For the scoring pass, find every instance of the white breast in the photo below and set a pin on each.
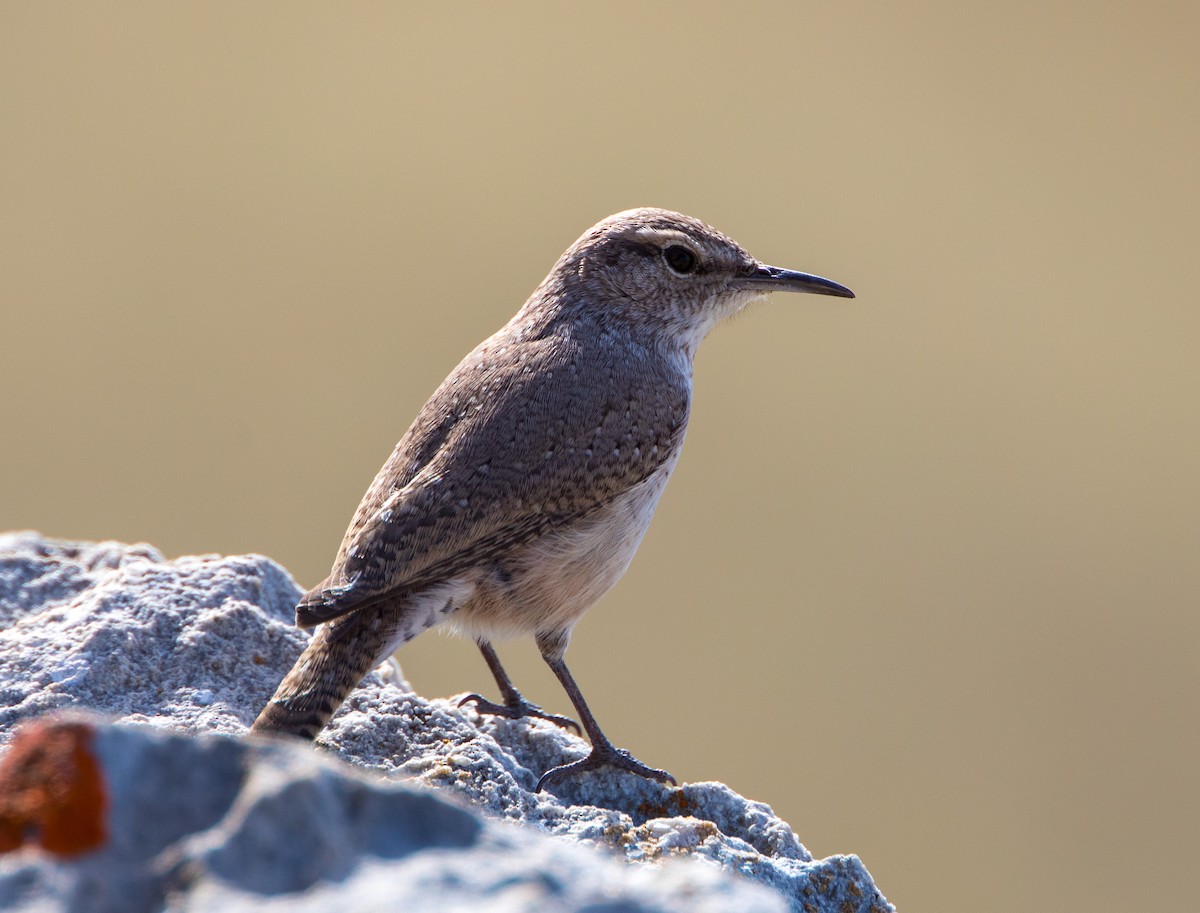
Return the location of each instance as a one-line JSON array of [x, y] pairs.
[[552, 581]]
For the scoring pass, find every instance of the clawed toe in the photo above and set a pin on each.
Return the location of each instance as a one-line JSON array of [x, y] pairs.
[[602, 756], [483, 705], [518, 710]]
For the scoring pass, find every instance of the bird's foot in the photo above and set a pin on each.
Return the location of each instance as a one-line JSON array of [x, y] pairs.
[[517, 709], [604, 755]]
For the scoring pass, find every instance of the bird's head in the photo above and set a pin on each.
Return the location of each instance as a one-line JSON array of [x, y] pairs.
[[667, 271]]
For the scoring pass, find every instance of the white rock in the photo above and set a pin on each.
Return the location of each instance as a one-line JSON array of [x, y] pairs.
[[198, 644]]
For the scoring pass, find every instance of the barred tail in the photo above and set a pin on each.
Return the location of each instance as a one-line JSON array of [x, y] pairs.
[[340, 654]]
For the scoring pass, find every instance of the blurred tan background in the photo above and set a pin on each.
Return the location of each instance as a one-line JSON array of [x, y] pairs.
[[926, 578]]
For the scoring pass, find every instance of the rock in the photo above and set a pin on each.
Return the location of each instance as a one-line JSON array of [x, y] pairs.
[[402, 805]]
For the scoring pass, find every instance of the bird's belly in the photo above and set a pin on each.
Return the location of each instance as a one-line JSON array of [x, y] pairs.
[[549, 583]]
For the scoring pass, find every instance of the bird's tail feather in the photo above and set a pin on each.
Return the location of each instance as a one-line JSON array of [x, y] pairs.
[[340, 654]]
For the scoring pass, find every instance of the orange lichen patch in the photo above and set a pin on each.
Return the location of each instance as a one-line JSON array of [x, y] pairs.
[[676, 805], [51, 790]]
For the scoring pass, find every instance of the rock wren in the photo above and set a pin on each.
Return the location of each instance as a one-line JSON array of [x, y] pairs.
[[522, 490]]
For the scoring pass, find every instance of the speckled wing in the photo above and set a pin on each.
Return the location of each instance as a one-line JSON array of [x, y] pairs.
[[524, 436]]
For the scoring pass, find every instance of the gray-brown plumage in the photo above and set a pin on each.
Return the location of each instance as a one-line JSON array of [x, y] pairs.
[[521, 491]]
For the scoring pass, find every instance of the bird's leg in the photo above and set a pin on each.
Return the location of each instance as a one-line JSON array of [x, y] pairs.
[[515, 703], [604, 753]]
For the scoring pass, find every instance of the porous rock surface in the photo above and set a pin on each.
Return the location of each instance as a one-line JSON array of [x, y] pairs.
[[404, 804]]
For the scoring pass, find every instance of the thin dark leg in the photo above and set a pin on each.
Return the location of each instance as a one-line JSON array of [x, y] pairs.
[[515, 704], [604, 753]]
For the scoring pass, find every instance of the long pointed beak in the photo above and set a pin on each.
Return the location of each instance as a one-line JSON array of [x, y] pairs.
[[774, 279]]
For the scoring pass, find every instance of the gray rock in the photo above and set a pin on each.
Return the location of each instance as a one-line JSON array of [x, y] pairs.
[[179, 650]]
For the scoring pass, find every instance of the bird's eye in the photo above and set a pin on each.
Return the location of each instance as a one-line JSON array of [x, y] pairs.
[[679, 258]]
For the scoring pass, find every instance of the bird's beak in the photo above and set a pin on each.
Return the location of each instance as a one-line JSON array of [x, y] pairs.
[[773, 279]]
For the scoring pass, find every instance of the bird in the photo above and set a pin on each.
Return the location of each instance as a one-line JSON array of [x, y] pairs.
[[522, 489]]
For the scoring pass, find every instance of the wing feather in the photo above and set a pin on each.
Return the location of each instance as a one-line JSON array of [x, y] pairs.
[[525, 435]]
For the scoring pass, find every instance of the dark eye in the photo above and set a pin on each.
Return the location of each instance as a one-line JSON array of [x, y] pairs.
[[679, 258]]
